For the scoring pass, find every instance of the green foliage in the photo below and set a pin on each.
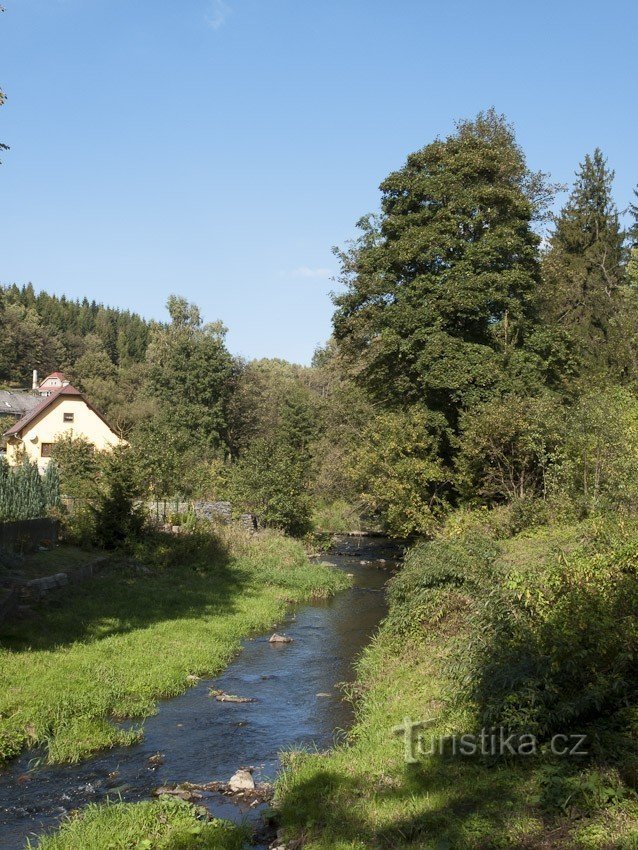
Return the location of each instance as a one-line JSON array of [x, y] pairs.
[[556, 654], [78, 466], [600, 472], [583, 268], [270, 480], [164, 824], [510, 447], [191, 374], [441, 289], [438, 580], [46, 332], [400, 472], [116, 515], [51, 486], [24, 494]]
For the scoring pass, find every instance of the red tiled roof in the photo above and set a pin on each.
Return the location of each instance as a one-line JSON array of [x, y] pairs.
[[19, 426], [54, 375]]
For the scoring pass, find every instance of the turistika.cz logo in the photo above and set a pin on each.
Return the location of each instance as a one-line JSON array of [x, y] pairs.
[[496, 741]]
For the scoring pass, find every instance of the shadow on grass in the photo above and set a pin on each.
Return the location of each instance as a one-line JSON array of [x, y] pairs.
[[440, 805], [178, 578]]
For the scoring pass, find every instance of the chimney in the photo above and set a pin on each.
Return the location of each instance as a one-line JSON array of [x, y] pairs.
[[35, 384]]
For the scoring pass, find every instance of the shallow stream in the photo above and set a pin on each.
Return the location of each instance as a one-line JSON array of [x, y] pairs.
[[298, 703]]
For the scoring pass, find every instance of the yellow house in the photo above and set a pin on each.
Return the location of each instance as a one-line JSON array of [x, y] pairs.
[[64, 412]]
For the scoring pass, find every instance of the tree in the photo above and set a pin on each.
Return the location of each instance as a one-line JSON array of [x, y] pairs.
[[78, 466], [399, 469], [601, 448], [633, 230], [116, 515], [191, 375], [509, 447], [441, 287], [270, 398], [583, 269], [270, 480], [51, 486]]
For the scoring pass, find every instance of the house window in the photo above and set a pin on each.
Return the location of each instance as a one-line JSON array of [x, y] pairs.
[[46, 449], [68, 417]]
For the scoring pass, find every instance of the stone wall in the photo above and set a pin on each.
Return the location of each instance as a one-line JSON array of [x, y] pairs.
[[24, 592]]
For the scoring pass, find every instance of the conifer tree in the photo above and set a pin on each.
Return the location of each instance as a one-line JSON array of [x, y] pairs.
[[51, 486], [583, 269], [633, 229]]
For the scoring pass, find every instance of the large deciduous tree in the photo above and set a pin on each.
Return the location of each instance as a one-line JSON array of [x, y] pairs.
[[441, 287], [191, 374]]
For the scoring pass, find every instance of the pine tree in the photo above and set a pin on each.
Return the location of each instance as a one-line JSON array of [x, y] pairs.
[[583, 269]]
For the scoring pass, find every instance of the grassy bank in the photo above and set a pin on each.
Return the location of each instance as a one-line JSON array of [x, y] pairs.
[[423, 666], [112, 647], [165, 824]]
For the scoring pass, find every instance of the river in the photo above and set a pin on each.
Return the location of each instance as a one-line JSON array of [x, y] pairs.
[[298, 703]]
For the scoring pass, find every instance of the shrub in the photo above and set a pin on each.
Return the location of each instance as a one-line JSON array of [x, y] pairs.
[[117, 517], [438, 579], [509, 448], [400, 472], [22, 492], [554, 652], [270, 480]]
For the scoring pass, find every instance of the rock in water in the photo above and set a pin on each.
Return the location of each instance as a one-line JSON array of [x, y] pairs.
[[241, 781], [280, 639]]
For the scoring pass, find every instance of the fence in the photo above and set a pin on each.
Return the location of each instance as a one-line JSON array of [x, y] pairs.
[[28, 533]]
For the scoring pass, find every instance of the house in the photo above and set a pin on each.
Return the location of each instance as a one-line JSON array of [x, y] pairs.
[[50, 384], [64, 410]]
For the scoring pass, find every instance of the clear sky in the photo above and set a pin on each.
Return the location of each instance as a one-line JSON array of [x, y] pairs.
[[220, 148]]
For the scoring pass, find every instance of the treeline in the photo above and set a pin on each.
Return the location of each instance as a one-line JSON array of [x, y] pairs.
[[47, 333], [503, 367], [472, 361]]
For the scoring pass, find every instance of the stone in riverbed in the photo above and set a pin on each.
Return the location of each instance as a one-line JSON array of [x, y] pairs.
[[242, 780], [220, 696], [280, 639]]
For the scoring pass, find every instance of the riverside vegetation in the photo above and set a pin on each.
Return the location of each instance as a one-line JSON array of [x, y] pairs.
[[112, 648], [480, 395]]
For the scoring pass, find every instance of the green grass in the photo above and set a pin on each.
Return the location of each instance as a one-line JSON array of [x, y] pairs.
[[113, 646], [59, 559], [364, 795], [164, 824]]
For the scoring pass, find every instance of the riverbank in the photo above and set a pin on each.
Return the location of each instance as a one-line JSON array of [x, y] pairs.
[[141, 632], [364, 795]]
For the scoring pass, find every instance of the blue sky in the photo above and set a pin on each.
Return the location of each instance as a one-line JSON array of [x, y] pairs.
[[220, 149]]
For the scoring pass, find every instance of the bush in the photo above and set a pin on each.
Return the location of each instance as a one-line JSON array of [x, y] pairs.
[[24, 493], [270, 480], [554, 652], [400, 472], [117, 518], [438, 580], [509, 448]]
